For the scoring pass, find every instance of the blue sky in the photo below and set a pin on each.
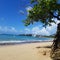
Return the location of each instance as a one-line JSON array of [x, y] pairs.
[[12, 12]]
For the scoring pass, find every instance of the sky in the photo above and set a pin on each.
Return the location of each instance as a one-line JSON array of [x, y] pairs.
[[13, 12]]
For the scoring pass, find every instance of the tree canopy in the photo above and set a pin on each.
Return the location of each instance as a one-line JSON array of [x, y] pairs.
[[43, 11]]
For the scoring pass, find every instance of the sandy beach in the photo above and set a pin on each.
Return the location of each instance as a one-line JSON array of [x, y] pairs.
[[32, 51]]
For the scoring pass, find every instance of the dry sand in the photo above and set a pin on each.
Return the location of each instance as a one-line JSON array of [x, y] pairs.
[[30, 51]]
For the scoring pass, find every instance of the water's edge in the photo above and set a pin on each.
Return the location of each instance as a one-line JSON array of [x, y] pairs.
[[21, 42]]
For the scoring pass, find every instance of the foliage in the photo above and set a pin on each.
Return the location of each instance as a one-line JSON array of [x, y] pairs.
[[43, 11]]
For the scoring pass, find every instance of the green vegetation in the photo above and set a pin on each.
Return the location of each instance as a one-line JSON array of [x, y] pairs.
[[51, 36], [43, 11]]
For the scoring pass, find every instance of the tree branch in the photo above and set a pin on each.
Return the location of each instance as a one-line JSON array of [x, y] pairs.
[[54, 15]]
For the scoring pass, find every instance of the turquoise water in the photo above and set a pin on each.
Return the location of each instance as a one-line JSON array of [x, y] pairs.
[[19, 39]]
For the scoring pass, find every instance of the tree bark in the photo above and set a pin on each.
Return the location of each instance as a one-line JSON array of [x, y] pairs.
[[55, 51]]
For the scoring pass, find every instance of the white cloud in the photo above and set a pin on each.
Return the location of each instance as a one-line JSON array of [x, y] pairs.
[[43, 31], [28, 8], [27, 30], [49, 30], [12, 29], [21, 11], [52, 29], [34, 30], [37, 30], [6, 29]]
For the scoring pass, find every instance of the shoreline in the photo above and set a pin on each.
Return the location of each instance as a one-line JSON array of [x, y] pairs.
[[2, 43]]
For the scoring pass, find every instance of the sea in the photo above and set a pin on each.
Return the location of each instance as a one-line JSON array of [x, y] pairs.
[[16, 39]]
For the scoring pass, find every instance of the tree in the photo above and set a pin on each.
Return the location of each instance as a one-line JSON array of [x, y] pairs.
[[44, 11]]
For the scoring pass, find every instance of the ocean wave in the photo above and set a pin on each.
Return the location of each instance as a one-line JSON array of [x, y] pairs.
[[12, 42]]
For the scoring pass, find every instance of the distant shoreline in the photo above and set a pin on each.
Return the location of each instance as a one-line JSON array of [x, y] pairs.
[[36, 35]]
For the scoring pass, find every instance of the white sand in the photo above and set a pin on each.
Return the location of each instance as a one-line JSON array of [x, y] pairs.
[[25, 52]]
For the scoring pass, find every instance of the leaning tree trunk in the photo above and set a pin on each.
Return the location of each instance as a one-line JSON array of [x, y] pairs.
[[55, 51]]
